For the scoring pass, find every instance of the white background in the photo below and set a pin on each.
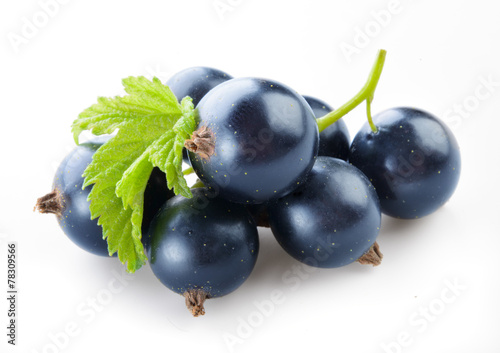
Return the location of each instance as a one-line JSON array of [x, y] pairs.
[[440, 53]]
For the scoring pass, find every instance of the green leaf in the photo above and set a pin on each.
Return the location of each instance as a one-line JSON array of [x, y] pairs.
[[152, 127]]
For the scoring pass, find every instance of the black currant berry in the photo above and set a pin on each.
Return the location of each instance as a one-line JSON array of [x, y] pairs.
[[203, 247], [332, 220], [70, 204], [195, 82], [334, 140], [256, 140], [413, 161]]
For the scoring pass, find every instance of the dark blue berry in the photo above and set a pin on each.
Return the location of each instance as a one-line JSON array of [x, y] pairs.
[[332, 220], [264, 138], [334, 140], [74, 217], [195, 82], [203, 245], [413, 161], [69, 202]]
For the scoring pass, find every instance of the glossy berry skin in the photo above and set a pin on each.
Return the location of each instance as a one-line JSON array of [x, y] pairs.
[[75, 217], [203, 243], [334, 140], [332, 220], [195, 82], [413, 161], [266, 138]]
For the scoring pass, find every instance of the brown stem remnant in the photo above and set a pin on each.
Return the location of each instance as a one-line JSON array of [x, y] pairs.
[[50, 203], [194, 301], [372, 256], [202, 142]]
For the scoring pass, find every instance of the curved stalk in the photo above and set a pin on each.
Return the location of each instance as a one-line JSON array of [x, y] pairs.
[[365, 94]]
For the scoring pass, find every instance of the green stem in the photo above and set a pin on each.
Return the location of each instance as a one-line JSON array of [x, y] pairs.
[[188, 171], [198, 184], [365, 94], [369, 114]]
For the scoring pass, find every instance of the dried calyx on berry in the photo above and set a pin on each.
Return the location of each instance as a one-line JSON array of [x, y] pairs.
[[202, 142]]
